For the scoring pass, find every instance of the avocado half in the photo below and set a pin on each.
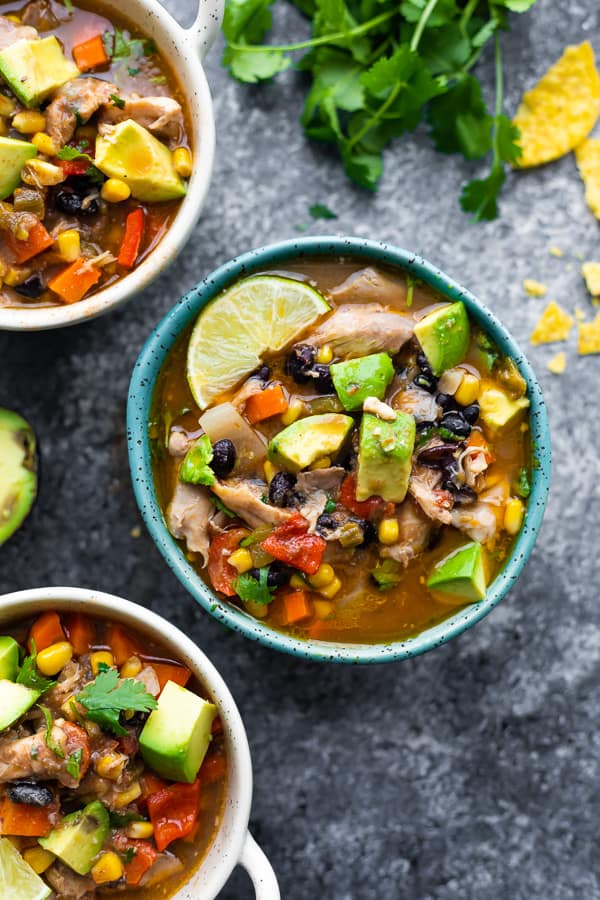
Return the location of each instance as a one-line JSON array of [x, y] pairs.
[[18, 472]]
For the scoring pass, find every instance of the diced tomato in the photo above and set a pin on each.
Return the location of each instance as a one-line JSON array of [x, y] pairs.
[[26, 820], [290, 543], [174, 812], [220, 572], [151, 784], [363, 508], [73, 166], [142, 858]]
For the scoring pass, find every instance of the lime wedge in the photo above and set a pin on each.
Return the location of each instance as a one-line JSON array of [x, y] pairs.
[[17, 878], [234, 330]]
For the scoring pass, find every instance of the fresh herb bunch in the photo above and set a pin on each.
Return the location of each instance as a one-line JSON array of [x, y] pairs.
[[378, 67]]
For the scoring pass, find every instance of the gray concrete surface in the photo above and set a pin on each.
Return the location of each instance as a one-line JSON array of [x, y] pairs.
[[471, 772]]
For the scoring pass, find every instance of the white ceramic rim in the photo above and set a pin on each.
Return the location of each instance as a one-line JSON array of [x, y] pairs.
[[184, 48], [233, 843]]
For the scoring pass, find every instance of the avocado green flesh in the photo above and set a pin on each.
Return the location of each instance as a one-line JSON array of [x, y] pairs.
[[18, 478], [444, 336], [9, 658], [302, 443], [385, 457], [34, 69], [357, 379], [13, 156], [129, 152], [79, 837], [177, 733], [15, 700], [461, 575]]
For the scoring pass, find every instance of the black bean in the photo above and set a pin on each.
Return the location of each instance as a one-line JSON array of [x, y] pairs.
[[300, 362], [224, 456], [464, 494], [30, 792], [446, 401], [278, 575], [423, 363], [471, 413], [281, 489], [456, 423], [369, 531], [321, 378], [81, 184], [327, 523], [90, 206], [426, 382], [439, 455], [263, 373], [67, 201], [32, 287]]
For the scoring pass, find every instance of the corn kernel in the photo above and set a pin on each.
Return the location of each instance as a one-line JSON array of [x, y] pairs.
[[323, 463], [69, 244], [114, 190], [29, 121], [7, 107], [108, 868], [131, 667], [330, 590], [127, 797], [44, 143], [13, 276], [93, 730], [13, 17], [258, 610], [296, 581], [111, 765], [52, 659], [39, 859], [323, 576], [388, 531], [39, 173], [513, 515], [324, 609], [182, 162], [241, 560], [270, 471], [101, 657], [139, 831], [293, 411], [324, 354], [468, 390], [4, 125]]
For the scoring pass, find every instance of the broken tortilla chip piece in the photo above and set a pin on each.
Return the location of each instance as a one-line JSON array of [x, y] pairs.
[[554, 325], [591, 276], [534, 288], [558, 363], [560, 111], [588, 163], [589, 337]]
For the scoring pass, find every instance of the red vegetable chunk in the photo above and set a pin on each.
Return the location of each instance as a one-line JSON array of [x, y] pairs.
[[174, 812], [290, 543]]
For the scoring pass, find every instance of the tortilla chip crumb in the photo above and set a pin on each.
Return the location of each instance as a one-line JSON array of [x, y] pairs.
[[579, 314], [588, 163], [556, 251], [589, 337], [535, 288], [558, 363], [591, 275], [554, 325], [136, 532]]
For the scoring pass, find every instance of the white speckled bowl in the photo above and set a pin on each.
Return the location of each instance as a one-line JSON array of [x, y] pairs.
[[185, 49], [233, 843]]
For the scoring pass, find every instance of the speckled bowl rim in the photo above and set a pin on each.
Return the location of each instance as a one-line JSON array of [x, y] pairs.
[[141, 388]]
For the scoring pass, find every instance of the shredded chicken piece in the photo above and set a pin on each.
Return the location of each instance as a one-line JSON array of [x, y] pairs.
[[68, 885], [415, 530], [72, 679], [18, 223], [329, 480], [39, 14], [418, 403], [473, 462], [360, 329], [250, 387], [10, 33], [179, 444], [148, 677], [187, 517], [244, 498], [76, 101], [32, 757], [165, 865], [380, 409], [477, 520], [370, 285], [424, 486], [160, 115]]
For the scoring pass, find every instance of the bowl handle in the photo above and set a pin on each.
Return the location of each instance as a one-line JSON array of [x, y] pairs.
[[260, 870], [206, 25]]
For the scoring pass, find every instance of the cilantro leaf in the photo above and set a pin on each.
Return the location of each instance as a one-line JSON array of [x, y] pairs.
[[118, 101], [29, 676], [122, 47], [73, 765], [480, 196], [216, 501], [523, 486], [387, 573], [319, 211], [518, 6], [54, 748], [68, 6], [195, 467], [106, 697], [507, 136], [459, 121], [92, 172], [250, 589]]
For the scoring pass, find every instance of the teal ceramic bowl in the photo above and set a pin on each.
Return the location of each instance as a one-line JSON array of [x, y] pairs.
[[142, 385]]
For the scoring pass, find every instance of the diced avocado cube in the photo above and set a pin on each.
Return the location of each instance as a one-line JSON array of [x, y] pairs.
[[385, 457], [444, 336], [357, 379], [18, 475], [129, 152], [9, 658], [302, 443], [177, 733], [79, 837], [13, 156], [15, 699], [34, 69], [461, 575], [498, 411]]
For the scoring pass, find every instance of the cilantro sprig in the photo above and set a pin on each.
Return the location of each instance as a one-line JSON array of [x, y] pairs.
[[29, 676], [53, 746], [250, 589], [377, 70], [106, 697]]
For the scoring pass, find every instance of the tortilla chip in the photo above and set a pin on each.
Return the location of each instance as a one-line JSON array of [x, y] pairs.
[[560, 111], [554, 325], [589, 337], [558, 363], [534, 288], [556, 251], [591, 275], [588, 163]]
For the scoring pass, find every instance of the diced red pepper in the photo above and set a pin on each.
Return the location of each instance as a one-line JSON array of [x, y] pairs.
[[220, 572], [143, 857], [214, 768], [73, 166], [174, 812], [290, 543], [363, 508], [26, 820], [152, 784], [130, 246]]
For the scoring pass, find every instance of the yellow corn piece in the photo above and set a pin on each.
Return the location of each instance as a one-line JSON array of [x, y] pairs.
[[323, 463], [322, 577], [330, 590], [108, 868], [127, 797], [324, 609], [468, 390], [241, 560], [270, 471], [39, 859], [513, 515], [389, 531], [139, 831], [324, 354], [44, 143], [101, 657], [131, 667], [182, 162], [69, 244], [111, 765], [29, 121], [114, 190], [293, 411], [54, 658]]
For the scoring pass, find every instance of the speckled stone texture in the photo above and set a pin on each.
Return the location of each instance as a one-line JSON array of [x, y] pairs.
[[471, 772]]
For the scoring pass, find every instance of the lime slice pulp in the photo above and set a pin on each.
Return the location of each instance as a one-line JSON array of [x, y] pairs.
[[258, 314], [17, 878]]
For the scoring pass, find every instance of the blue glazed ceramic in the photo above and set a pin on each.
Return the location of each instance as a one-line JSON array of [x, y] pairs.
[[143, 380]]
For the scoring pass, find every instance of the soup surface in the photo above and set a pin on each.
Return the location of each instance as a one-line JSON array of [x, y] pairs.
[[88, 794], [94, 148], [367, 478]]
